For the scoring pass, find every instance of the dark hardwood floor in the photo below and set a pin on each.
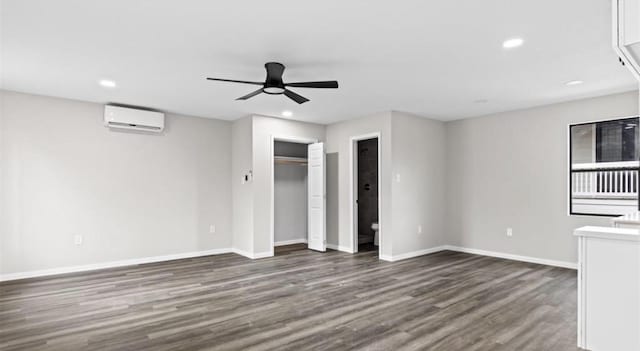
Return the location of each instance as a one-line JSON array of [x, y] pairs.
[[298, 300]]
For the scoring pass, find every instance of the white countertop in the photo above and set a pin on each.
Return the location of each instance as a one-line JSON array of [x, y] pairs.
[[629, 218], [627, 234]]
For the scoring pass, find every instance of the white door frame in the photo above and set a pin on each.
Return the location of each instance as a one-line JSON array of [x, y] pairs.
[[290, 139], [353, 189]]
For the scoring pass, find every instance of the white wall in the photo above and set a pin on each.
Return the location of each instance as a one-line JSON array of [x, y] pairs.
[[242, 192], [130, 195], [510, 170], [333, 199], [418, 199], [290, 198], [133, 195], [3, 171], [414, 148], [339, 141]]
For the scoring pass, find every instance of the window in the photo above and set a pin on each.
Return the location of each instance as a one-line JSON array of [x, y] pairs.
[[604, 167]]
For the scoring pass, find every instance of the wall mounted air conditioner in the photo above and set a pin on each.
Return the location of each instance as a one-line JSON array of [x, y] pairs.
[[133, 119]]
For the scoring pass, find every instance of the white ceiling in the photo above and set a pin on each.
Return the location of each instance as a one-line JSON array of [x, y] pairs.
[[432, 58]]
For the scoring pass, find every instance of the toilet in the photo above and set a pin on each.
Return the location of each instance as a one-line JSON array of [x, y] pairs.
[[375, 228]]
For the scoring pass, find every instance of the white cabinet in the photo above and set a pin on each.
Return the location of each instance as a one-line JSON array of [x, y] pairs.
[[608, 289], [630, 220], [626, 33]]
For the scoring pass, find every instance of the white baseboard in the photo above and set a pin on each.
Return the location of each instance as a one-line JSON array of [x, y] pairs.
[[112, 264], [290, 242], [563, 264], [242, 253], [262, 254], [554, 263], [404, 256], [304, 241], [391, 258], [340, 248], [252, 255]]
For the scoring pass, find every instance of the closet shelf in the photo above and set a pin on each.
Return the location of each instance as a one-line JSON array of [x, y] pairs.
[[284, 160]]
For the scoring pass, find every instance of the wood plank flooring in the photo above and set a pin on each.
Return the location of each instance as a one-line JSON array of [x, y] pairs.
[[298, 300]]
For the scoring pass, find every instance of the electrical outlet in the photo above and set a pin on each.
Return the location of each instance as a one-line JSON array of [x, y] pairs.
[[397, 177], [77, 239], [509, 232], [212, 228], [420, 229]]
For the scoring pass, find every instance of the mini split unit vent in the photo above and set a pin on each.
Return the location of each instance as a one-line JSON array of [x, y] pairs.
[[133, 119]]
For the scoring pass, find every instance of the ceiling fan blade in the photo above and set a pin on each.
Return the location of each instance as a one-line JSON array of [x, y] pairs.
[[235, 81], [295, 97], [274, 71], [329, 84], [250, 95]]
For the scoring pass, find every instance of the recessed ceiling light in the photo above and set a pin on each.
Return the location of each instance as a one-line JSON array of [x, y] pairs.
[[287, 113], [574, 82], [108, 83], [512, 43]]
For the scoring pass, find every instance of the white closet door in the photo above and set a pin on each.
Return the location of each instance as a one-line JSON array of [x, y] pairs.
[[317, 202]]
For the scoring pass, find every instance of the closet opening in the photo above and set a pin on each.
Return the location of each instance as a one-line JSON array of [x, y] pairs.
[[290, 195]]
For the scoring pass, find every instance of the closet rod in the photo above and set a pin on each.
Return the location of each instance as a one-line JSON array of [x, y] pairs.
[[290, 160]]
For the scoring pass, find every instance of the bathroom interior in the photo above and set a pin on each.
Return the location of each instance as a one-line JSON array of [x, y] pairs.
[[367, 202]]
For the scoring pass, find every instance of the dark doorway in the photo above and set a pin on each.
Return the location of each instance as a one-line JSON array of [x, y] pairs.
[[367, 194]]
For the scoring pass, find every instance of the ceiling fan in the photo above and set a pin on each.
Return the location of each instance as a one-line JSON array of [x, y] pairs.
[[274, 85]]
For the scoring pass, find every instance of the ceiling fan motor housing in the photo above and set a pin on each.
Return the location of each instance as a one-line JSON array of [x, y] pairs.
[[273, 84]]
